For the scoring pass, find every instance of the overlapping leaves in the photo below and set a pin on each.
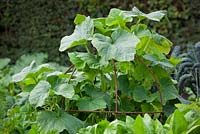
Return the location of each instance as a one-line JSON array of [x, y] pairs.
[[109, 41], [175, 124]]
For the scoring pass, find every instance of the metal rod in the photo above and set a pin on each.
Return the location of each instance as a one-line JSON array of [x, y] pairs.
[[70, 67], [115, 112], [116, 87], [71, 75], [157, 83]]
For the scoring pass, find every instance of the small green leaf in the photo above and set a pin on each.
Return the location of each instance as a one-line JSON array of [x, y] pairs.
[[140, 72], [81, 34], [129, 122], [4, 62], [77, 62], [99, 24], [124, 84], [148, 124], [116, 127], [138, 126], [92, 91], [125, 67], [140, 94], [87, 103], [66, 90], [79, 19], [49, 121], [141, 30], [121, 45], [158, 128], [156, 61], [80, 60], [39, 93]]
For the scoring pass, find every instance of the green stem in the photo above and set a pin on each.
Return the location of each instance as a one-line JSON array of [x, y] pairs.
[[103, 82], [86, 47]]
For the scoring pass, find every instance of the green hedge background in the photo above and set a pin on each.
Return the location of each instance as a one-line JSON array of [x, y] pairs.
[[28, 26]]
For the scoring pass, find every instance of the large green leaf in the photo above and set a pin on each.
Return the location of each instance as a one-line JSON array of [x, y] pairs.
[[39, 93], [49, 121], [31, 71], [21, 75], [161, 43], [4, 62], [121, 45], [117, 17], [156, 16], [26, 59], [168, 90], [66, 90], [81, 34], [87, 103], [154, 44]]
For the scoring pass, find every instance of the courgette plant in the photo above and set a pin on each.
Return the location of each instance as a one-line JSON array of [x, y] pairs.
[[121, 43], [123, 69]]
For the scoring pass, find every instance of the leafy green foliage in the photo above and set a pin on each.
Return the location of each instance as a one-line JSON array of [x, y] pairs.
[[138, 53], [175, 124], [131, 55], [18, 112]]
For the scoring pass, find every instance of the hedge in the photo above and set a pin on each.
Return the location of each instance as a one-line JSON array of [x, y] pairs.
[[38, 25]]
